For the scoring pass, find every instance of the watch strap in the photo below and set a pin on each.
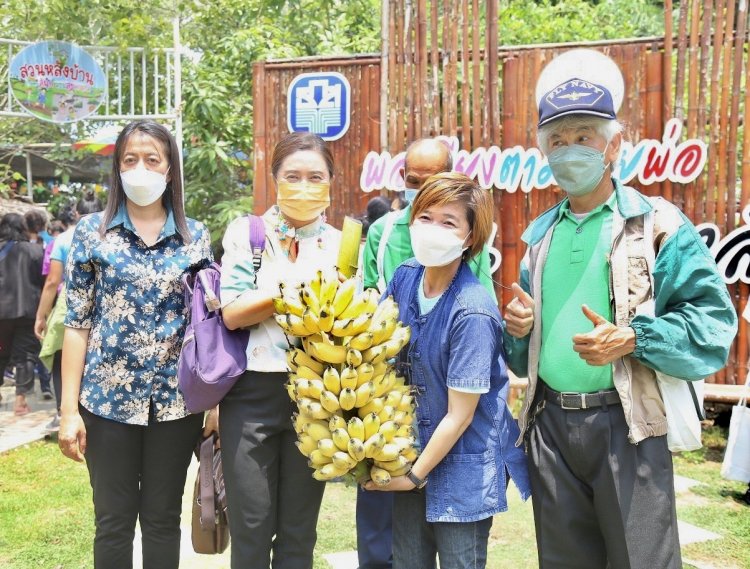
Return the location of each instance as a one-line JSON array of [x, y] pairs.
[[418, 482]]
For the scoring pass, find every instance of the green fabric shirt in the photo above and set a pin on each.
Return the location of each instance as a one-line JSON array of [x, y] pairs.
[[576, 273], [399, 250]]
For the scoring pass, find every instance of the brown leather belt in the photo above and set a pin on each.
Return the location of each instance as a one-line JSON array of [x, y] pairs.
[[577, 401]]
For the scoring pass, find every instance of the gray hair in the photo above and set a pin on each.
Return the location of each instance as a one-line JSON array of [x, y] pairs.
[[605, 127]]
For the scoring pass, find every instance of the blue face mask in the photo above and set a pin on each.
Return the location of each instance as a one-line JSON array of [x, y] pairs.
[[577, 169], [409, 195]]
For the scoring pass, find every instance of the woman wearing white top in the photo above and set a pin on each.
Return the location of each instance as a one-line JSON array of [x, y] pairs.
[[273, 499]]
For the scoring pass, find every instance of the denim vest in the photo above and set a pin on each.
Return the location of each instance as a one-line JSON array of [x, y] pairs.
[[459, 344]]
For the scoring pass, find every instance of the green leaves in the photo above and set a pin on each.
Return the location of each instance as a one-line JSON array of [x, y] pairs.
[[551, 21]]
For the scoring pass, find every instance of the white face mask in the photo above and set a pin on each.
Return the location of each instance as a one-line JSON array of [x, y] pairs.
[[435, 246], [143, 187]]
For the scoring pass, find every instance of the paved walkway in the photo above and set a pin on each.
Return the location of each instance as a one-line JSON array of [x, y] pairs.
[[17, 431]]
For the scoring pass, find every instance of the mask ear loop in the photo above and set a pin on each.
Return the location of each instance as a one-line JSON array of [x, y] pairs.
[[465, 252], [603, 156]]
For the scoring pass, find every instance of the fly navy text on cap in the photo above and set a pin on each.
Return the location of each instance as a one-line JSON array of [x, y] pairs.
[[576, 97]]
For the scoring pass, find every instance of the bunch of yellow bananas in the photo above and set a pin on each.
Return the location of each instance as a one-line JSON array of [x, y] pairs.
[[355, 412]]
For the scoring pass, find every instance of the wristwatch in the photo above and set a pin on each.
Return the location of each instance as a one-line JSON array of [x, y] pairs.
[[418, 482]]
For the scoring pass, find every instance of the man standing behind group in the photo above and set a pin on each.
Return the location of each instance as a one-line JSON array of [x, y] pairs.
[[601, 472], [388, 245], [388, 241]]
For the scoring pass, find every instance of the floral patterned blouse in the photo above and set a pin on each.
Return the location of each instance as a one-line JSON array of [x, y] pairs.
[[130, 296]]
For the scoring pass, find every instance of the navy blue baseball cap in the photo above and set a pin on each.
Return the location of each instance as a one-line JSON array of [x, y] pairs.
[[576, 97]]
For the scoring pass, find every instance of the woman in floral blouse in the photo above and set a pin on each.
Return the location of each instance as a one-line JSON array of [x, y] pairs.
[[121, 407], [272, 496]]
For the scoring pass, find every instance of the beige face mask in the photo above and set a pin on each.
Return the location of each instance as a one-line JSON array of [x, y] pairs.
[[303, 201]]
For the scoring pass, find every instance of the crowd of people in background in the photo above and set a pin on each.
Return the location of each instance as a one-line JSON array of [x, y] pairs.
[[33, 249]]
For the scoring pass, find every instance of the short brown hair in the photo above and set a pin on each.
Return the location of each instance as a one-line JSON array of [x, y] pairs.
[[454, 187], [296, 141]]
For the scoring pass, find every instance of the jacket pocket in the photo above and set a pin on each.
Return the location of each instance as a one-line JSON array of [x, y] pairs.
[[468, 484]]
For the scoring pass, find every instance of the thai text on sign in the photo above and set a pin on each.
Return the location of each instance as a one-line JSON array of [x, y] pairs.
[[510, 169]]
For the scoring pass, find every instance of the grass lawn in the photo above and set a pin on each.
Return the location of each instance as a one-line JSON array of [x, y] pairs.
[[713, 505], [46, 514]]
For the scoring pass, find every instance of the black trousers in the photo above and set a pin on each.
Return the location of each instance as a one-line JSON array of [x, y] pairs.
[[273, 500], [57, 378], [138, 472], [19, 347], [600, 501]]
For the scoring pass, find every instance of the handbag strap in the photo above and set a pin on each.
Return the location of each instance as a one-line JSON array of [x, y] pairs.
[[650, 254], [206, 480], [257, 241], [6, 249]]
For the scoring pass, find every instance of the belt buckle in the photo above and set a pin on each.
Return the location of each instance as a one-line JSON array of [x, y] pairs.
[[564, 394]]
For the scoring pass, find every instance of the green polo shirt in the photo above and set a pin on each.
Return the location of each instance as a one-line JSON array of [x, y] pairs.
[[576, 272], [399, 250]]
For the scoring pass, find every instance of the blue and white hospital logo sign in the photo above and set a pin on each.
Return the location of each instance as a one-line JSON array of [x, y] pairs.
[[319, 103]]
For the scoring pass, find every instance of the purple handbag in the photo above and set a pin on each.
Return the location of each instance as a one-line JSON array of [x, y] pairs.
[[212, 357]]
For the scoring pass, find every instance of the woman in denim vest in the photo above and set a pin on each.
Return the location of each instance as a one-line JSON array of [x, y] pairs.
[[444, 505]]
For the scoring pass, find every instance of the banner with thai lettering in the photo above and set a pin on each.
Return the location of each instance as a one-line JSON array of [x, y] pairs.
[[731, 252], [511, 169], [57, 81]]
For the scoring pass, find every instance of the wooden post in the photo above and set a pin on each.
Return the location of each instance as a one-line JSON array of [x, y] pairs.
[[385, 55], [723, 158], [703, 191], [476, 82], [259, 136], [465, 82], [739, 50], [692, 110], [422, 65], [714, 134], [667, 79], [435, 66], [746, 140]]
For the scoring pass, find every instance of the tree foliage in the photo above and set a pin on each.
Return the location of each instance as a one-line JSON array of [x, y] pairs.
[[225, 37], [549, 21], [218, 88]]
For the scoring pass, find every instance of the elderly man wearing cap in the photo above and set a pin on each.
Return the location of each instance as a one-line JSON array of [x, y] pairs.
[[594, 421]]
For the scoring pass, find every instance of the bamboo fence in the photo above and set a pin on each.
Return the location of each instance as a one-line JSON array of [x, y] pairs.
[[449, 74]]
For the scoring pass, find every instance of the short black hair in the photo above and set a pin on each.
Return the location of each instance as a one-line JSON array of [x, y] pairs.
[[36, 221], [377, 207]]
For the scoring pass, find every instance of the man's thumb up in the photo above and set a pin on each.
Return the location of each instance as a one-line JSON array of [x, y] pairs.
[[523, 296], [519, 313], [596, 319]]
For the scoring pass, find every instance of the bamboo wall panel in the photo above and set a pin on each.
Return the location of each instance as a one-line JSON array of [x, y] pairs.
[[450, 74]]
